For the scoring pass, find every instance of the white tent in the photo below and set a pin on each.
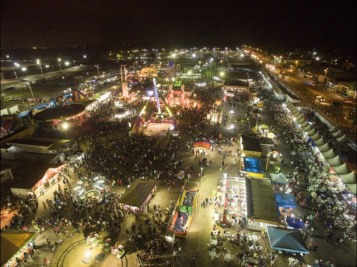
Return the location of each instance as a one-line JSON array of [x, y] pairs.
[[342, 139], [333, 129], [335, 161], [308, 128], [323, 148], [349, 178], [311, 132], [338, 133], [305, 124], [352, 187], [319, 142], [315, 137], [342, 169], [329, 154]]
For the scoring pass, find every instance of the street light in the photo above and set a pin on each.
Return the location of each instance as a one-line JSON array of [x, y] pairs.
[[16, 66], [38, 62], [65, 127], [30, 89], [59, 63]]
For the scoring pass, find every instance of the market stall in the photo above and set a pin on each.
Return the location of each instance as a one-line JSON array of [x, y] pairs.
[[138, 194], [15, 245], [286, 240]]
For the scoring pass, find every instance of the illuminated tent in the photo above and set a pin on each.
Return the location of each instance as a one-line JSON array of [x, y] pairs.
[[337, 134], [329, 154], [319, 142], [335, 161], [311, 132], [12, 241], [341, 169], [333, 129], [304, 125], [323, 148], [349, 178], [286, 240], [353, 188], [342, 139], [202, 144], [315, 137]]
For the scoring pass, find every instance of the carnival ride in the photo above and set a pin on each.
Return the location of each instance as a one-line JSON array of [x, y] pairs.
[[157, 123], [184, 210]]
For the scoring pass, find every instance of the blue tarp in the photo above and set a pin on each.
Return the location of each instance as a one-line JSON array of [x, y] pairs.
[[285, 200], [286, 240]]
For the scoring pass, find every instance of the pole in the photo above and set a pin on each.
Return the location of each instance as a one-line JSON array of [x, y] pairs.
[[98, 69], [30, 89]]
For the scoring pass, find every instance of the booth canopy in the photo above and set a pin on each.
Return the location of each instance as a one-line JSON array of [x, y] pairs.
[[137, 193], [342, 139], [261, 204], [352, 187], [329, 154], [279, 178], [349, 178], [335, 161], [286, 240], [323, 148], [12, 241], [202, 144], [341, 169], [285, 200]]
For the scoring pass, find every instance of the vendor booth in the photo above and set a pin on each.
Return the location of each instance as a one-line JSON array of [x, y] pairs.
[[250, 146], [286, 240], [138, 195], [253, 167], [14, 244], [261, 205]]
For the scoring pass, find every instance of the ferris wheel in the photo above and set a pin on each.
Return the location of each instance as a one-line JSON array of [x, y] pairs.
[[170, 72]]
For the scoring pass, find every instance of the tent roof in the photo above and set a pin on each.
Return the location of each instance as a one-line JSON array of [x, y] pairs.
[[305, 124], [341, 139], [333, 129], [137, 193], [335, 161], [287, 240], [323, 148], [348, 178], [341, 169], [329, 154], [315, 137], [311, 132], [278, 178], [12, 241], [319, 142], [285, 200], [261, 204], [338, 133], [352, 187], [307, 128]]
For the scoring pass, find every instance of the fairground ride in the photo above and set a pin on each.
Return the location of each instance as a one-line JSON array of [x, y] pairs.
[[184, 211], [160, 121]]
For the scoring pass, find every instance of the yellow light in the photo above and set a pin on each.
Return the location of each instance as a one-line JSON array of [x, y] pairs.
[[65, 125]]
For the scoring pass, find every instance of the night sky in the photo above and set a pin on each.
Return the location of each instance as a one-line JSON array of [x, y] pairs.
[[287, 24]]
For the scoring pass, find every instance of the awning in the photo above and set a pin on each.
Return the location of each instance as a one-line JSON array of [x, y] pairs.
[[278, 178], [286, 240], [202, 144], [349, 178], [335, 161], [341, 169], [285, 200], [329, 154]]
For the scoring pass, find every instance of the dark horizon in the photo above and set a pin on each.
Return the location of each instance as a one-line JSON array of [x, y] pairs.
[[325, 26]]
